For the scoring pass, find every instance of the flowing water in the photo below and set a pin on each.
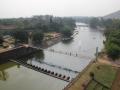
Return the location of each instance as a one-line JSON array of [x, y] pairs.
[[66, 58]]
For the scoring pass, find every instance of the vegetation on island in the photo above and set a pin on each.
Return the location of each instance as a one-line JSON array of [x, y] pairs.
[[37, 37], [67, 31], [38, 25]]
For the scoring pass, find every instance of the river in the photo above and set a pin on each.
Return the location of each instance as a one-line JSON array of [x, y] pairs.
[[67, 58]]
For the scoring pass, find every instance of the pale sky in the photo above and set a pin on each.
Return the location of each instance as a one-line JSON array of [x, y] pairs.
[[27, 8]]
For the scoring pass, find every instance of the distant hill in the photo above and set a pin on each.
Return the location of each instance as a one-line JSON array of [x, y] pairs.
[[115, 15]]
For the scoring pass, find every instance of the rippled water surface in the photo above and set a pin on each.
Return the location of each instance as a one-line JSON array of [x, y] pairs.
[[66, 58]]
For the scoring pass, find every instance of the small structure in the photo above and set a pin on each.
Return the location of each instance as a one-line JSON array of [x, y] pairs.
[[51, 35], [8, 41]]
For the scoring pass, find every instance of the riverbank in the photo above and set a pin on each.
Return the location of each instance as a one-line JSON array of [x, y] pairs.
[[103, 73], [51, 42], [3, 49], [76, 83]]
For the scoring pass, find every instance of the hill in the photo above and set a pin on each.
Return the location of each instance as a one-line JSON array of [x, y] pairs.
[[115, 15]]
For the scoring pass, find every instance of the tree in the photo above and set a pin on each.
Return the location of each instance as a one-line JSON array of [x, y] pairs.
[[112, 33], [94, 22], [21, 36], [67, 31], [38, 37], [113, 50], [112, 44], [1, 40]]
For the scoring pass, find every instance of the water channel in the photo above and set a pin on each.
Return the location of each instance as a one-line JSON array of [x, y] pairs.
[[67, 58]]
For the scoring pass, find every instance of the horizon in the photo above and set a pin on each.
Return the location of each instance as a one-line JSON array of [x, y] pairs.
[[60, 8]]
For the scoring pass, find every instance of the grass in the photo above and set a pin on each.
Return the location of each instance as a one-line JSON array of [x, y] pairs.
[[3, 67], [105, 74], [91, 85], [95, 86], [99, 87], [6, 65]]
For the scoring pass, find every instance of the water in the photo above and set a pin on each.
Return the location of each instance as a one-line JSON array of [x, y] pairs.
[[84, 43], [26, 79]]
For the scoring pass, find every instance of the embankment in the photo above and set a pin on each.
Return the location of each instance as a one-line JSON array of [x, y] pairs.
[[16, 53]]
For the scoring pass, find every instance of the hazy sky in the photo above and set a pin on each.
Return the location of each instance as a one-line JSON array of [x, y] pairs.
[[26, 8]]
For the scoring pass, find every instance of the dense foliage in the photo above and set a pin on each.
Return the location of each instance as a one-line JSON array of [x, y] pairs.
[[37, 37], [112, 33], [45, 23], [112, 44], [20, 36], [95, 22], [67, 31], [38, 25]]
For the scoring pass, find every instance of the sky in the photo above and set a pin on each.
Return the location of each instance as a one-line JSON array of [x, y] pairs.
[[27, 8]]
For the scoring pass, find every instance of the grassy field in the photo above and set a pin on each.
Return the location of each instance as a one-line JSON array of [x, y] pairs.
[[95, 86], [116, 83], [105, 74]]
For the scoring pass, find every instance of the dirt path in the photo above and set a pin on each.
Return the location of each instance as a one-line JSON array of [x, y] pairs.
[[116, 83], [105, 61]]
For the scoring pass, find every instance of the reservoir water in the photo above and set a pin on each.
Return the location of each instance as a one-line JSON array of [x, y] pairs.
[[67, 58]]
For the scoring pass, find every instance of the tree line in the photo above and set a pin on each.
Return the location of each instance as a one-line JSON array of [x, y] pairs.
[[38, 25], [45, 23], [112, 33]]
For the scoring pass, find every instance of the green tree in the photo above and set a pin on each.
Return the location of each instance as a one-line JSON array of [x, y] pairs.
[[67, 31], [112, 33], [38, 37], [94, 22], [21, 36], [113, 50]]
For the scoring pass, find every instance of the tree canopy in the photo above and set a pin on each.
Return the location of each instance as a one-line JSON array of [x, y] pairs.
[[112, 44], [38, 25]]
